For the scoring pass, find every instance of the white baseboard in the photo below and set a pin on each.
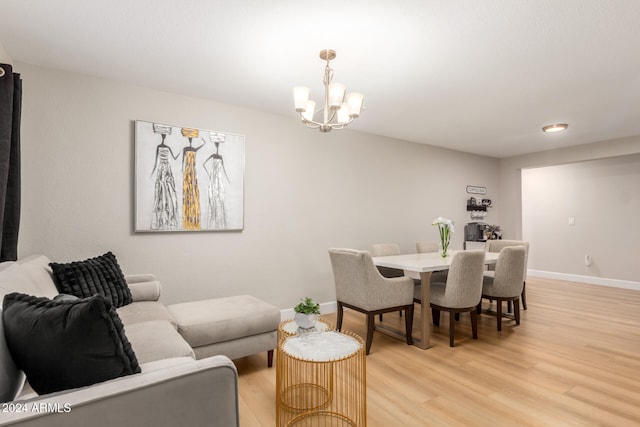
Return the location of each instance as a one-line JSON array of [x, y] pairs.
[[602, 281], [325, 308]]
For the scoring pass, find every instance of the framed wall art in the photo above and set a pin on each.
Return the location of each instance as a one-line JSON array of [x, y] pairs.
[[188, 179]]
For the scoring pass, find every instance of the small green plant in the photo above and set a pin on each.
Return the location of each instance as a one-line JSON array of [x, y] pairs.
[[307, 306]]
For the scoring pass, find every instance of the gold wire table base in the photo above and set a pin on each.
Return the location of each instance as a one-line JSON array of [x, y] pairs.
[[305, 397], [314, 388], [321, 419]]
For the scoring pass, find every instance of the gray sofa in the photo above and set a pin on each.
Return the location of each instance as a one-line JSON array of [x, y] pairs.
[[176, 386]]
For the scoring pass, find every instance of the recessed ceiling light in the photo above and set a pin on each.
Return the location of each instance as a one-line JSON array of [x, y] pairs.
[[558, 127]]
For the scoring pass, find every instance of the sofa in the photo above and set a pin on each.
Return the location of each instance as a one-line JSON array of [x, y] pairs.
[[184, 351]]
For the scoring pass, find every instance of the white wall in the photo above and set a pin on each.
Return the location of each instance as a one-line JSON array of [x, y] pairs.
[[4, 56], [304, 191], [511, 167], [603, 199], [511, 212]]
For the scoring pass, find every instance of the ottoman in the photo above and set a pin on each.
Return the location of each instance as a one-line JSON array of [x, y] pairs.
[[236, 326]]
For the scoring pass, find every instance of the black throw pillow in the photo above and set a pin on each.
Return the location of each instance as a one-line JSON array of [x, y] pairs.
[[66, 344], [100, 275]]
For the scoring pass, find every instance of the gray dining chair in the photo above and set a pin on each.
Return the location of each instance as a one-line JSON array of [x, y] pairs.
[[506, 283], [424, 247], [360, 286], [497, 246], [462, 291], [387, 249]]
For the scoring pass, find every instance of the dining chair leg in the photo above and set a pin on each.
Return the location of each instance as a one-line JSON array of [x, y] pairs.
[[499, 313], [380, 317], [479, 307], [524, 296], [370, 326], [408, 324], [516, 312], [474, 324], [452, 325], [457, 316], [435, 314], [339, 319]]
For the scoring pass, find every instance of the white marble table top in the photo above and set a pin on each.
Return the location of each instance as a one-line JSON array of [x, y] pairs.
[[292, 328], [321, 346], [424, 262]]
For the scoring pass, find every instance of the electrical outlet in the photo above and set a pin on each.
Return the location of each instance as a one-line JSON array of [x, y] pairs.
[[572, 221], [587, 260]]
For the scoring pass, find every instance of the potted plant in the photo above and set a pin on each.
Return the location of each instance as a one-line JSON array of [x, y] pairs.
[[307, 312], [492, 231]]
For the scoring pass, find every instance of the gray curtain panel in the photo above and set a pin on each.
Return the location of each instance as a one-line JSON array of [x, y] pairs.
[[10, 110]]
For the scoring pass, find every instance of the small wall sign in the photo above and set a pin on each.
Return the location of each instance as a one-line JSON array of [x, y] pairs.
[[472, 189]]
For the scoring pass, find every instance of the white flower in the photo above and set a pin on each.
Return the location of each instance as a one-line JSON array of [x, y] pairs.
[[444, 223]]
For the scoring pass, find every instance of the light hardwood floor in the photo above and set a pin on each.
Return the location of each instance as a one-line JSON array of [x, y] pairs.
[[573, 361]]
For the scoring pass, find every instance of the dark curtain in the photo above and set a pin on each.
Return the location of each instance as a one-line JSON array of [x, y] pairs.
[[10, 109]]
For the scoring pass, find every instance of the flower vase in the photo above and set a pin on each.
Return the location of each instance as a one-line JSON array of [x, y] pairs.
[[445, 228], [444, 248]]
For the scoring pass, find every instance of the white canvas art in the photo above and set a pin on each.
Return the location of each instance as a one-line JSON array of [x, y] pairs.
[[188, 179]]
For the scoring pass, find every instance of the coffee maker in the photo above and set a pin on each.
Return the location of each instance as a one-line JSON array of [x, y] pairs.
[[474, 231]]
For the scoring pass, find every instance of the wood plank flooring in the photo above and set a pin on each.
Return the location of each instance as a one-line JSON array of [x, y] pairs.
[[573, 361]]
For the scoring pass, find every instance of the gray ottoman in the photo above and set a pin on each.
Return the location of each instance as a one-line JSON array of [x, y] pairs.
[[236, 326]]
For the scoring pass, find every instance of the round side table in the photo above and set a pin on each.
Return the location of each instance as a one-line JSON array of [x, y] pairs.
[[321, 380]]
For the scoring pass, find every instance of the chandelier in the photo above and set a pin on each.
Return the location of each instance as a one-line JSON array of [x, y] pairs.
[[338, 111]]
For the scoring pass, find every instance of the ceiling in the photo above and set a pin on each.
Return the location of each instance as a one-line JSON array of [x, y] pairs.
[[476, 76]]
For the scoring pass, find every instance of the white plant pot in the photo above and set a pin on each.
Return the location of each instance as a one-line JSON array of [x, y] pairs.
[[306, 321]]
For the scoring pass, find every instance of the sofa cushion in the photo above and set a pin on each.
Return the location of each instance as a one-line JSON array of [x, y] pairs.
[[221, 319], [158, 365], [31, 276], [38, 270], [144, 311], [145, 291], [100, 275], [157, 340], [66, 344]]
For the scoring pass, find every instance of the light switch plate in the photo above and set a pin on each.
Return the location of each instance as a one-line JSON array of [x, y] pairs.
[[572, 221]]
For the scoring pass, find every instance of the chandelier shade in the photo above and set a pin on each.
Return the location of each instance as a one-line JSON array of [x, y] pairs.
[[339, 108], [301, 97]]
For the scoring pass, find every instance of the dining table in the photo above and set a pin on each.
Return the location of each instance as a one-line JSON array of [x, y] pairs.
[[420, 266]]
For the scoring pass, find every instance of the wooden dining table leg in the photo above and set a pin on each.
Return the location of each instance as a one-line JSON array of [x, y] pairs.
[[425, 317]]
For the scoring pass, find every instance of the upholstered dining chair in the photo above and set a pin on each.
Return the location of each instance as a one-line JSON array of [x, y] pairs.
[[462, 291], [424, 247], [496, 246], [361, 287], [387, 249], [506, 284]]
